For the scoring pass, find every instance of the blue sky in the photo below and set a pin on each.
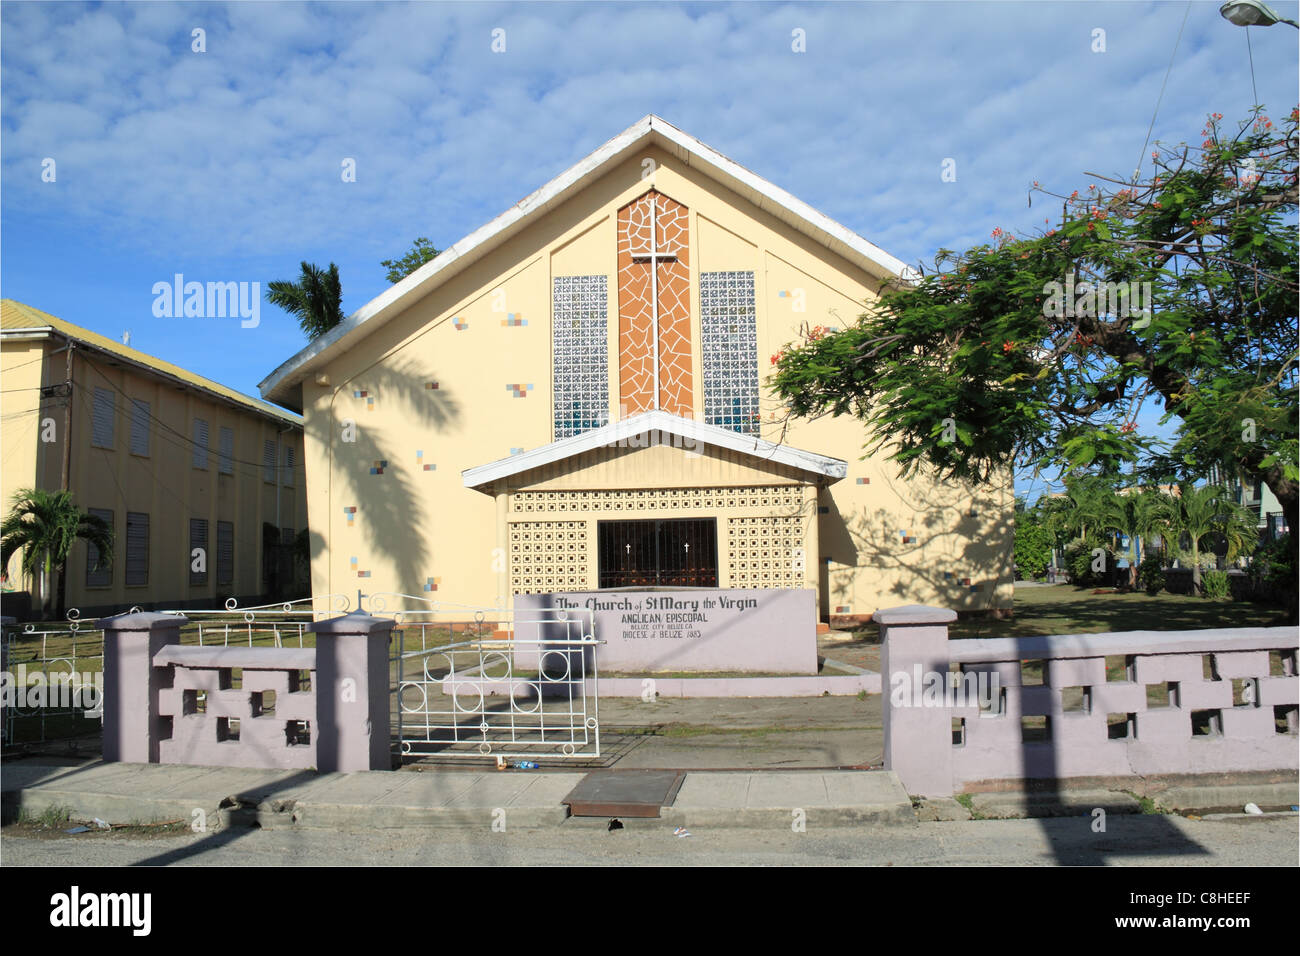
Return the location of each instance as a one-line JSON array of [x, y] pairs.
[[225, 165]]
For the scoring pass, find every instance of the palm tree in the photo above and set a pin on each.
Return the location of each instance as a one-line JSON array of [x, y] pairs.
[[1140, 515], [1200, 513], [42, 525], [316, 298]]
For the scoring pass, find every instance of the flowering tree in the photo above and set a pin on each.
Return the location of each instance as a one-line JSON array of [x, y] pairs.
[[1178, 290]]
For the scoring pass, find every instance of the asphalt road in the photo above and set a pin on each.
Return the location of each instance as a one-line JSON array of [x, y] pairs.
[[1155, 840]]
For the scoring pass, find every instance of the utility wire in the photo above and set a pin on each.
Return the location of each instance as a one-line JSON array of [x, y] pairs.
[[1251, 54], [1137, 171], [184, 441]]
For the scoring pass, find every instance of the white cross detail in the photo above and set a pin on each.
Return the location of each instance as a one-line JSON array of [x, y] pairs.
[[628, 547], [688, 547], [654, 257]]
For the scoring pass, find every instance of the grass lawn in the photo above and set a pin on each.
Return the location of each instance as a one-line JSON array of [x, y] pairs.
[[1065, 609]]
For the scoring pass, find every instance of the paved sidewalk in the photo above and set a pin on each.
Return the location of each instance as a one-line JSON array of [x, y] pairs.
[[141, 793]]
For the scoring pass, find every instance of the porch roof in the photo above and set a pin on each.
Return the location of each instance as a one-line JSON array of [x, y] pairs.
[[820, 468]]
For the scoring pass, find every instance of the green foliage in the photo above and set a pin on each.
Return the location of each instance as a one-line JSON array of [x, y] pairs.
[[316, 299], [421, 252], [42, 525], [1033, 544], [1080, 558], [1151, 574], [1018, 350], [1214, 585], [1202, 517], [1274, 571]]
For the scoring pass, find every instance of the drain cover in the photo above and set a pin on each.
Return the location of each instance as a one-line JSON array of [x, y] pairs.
[[624, 793]]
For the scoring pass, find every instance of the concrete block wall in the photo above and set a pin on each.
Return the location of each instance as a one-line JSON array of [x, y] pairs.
[[1178, 702]]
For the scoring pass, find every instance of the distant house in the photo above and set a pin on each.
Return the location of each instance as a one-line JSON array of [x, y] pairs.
[[179, 465], [572, 397]]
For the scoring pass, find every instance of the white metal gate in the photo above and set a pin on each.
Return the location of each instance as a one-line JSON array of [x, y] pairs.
[[476, 682]]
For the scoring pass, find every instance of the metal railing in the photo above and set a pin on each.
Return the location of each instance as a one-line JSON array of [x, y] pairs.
[[492, 682]]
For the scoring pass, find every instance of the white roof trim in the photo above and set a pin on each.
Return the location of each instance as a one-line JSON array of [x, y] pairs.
[[691, 432], [483, 240]]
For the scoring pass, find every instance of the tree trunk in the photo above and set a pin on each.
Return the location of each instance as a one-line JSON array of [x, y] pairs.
[[1196, 566], [45, 587]]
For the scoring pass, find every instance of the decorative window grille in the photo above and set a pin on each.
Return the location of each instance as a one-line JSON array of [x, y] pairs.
[[226, 451], [102, 576], [137, 549], [101, 432], [729, 342], [580, 375], [200, 443], [139, 427]]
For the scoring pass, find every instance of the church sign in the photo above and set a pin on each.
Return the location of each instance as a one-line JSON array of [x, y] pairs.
[[700, 630]]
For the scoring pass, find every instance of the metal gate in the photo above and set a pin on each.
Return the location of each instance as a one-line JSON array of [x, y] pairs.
[[665, 553], [492, 682]]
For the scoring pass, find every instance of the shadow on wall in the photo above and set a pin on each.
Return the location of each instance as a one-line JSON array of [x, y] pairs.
[[944, 542], [392, 511]]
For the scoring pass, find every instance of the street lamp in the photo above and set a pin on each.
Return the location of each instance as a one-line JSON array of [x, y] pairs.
[[1252, 13]]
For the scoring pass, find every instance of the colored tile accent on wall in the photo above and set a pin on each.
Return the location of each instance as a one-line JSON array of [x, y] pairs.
[[864, 481], [351, 513], [460, 324], [521, 390], [378, 467], [370, 399], [516, 451], [361, 574], [843, 609], [513, 321], [420, 462], [431, 385], [431, 584]]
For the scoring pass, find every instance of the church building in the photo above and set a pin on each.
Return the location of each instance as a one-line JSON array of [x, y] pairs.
[[572, 397]]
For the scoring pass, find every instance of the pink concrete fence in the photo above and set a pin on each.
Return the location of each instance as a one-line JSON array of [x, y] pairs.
[[238, 706], [1177, 702], [325, 708]]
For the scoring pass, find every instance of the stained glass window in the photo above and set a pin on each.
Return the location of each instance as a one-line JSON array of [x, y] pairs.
[[729, 340], [580, 368]]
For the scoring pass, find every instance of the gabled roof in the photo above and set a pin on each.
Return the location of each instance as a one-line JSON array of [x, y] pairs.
[[690, 432], [18, 320], [280, 385]]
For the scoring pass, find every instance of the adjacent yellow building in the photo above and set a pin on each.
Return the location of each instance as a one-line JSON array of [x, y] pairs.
[[573, 397], [203, 485]]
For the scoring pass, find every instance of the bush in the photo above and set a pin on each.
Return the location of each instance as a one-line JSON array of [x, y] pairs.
[[1079, 560], [1214, 585], [1151, 574], [1033, 549], [1273, 572]]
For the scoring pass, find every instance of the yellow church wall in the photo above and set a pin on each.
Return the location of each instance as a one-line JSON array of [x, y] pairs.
[[417, 529]]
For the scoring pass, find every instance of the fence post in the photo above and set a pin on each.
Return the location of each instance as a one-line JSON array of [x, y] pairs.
[[131, 682], [352, 697], [918, 738]]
